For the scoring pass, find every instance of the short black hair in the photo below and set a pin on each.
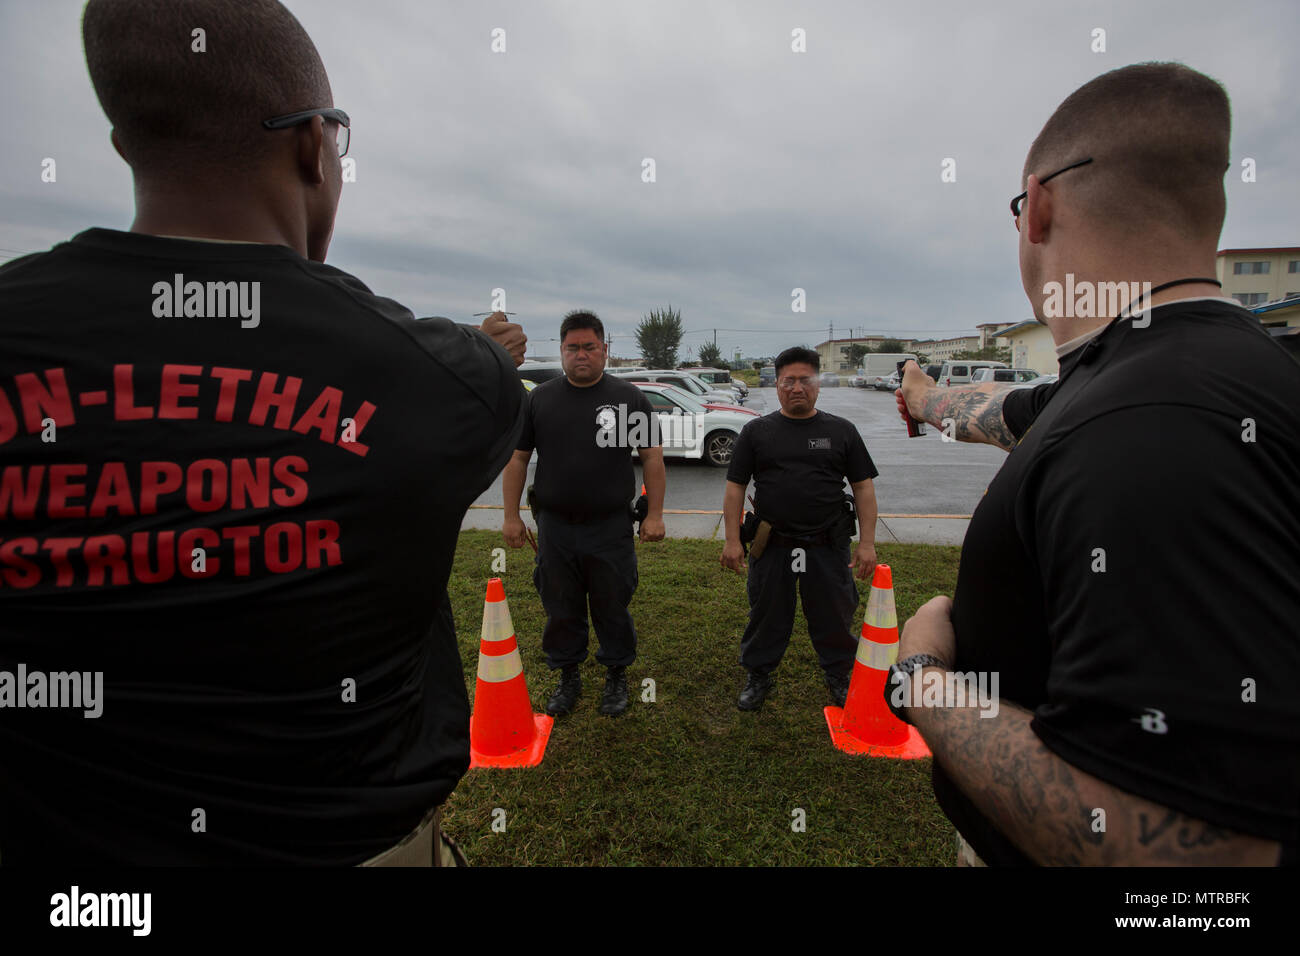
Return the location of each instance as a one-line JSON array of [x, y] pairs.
[[176, 110], [798, 354], [582, 319], [1158, 133]]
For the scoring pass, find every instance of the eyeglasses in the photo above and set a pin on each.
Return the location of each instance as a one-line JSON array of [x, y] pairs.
[[788, 383], [329, 113], [1015, 203], [589, 347]]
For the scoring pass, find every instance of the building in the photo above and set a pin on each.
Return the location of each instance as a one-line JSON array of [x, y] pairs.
[[990, 334], [836, 354], [941, 350], [1031, 346], [1258, 276]]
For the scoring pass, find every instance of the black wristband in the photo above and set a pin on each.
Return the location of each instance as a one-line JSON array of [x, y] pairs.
[[905, 669]]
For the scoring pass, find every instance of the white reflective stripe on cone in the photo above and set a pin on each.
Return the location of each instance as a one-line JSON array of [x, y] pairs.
[[496, 622], [875, 655], [880, 609], [497, 670]]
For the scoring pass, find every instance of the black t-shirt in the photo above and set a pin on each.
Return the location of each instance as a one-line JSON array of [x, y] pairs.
[[245, 520], [799, 466], [584, 439], [1133, 574]]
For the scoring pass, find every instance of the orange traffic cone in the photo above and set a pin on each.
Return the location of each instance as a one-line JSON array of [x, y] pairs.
[[503, 730], [864, 724]]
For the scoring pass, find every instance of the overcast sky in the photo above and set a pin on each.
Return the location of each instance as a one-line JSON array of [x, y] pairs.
[[775, 169]]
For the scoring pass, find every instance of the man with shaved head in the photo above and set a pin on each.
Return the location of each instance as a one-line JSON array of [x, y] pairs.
[[1132, 575], [231, 481]]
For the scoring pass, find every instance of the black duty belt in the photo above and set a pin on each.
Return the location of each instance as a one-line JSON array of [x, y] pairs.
[[579, 517], [779, 540]]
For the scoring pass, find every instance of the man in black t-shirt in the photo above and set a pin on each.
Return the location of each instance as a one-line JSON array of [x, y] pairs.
[[1132, 574], [231, 482], [799, 458], [584, 426]]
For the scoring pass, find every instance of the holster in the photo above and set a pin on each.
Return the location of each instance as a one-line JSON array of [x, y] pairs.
[[762, 532], [531, 498]]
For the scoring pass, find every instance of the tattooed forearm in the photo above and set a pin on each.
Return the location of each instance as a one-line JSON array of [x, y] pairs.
[[1057, 814], [975, 410]]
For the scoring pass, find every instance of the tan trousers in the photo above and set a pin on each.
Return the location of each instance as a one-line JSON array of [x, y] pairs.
[[966, 856], [417, 847]]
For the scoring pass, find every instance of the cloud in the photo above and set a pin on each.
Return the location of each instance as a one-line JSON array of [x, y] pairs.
[[775, 170]]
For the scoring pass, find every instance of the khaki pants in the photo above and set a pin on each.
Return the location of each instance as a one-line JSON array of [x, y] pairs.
[[417, 847], [966, 856]]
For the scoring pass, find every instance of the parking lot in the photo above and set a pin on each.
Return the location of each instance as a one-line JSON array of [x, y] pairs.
[[918, 476]]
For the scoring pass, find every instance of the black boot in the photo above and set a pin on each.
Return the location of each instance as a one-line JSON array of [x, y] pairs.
[[839, 689], [614, 700], [567, 693], [756, 690]]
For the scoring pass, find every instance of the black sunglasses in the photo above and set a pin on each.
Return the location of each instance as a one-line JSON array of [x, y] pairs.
[[329, 113], [1015, 203]]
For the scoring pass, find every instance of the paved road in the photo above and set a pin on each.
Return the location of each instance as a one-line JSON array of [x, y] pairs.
[[923, 475]]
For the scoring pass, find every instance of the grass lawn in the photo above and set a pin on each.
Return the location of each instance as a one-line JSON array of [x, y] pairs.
[[688, 779]]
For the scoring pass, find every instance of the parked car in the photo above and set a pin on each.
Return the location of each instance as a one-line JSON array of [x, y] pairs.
[[1012, 376], [689, 429], [538, 372], [859, 380], [767, 376], [683, 380], [1035, 382], [959, 373], [829, 380], [715, 406], [886, 383], [934, 370], [718, 378]]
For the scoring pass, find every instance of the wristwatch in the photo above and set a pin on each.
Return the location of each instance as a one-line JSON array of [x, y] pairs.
[[905, 669]]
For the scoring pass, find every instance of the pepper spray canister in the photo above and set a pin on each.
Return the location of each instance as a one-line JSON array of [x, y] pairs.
[[915, 427]]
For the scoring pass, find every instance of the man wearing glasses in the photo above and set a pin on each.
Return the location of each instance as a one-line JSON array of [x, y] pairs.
[[245, 529], [584, 426], [799, 458], [1132, 573]]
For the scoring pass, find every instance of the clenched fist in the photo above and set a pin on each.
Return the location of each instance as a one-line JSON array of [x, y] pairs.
[[506, 334]]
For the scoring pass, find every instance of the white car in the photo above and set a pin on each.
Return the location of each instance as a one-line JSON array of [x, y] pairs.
[[686, 382], [1035, 382], [689, 430], [1011, 376]]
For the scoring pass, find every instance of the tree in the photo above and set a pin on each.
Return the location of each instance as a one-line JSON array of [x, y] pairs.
[[710, 355], [890, 345], [856, 353], [658, 336]]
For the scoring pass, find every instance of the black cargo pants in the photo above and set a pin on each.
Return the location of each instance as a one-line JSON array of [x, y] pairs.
[[581, 563], [830, 601]]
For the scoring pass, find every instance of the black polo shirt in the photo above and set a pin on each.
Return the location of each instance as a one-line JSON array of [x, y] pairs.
[[1133, 572], [799, 466]]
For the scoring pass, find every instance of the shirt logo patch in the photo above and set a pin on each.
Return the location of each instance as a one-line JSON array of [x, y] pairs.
[[815, 444], [606, 418]]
